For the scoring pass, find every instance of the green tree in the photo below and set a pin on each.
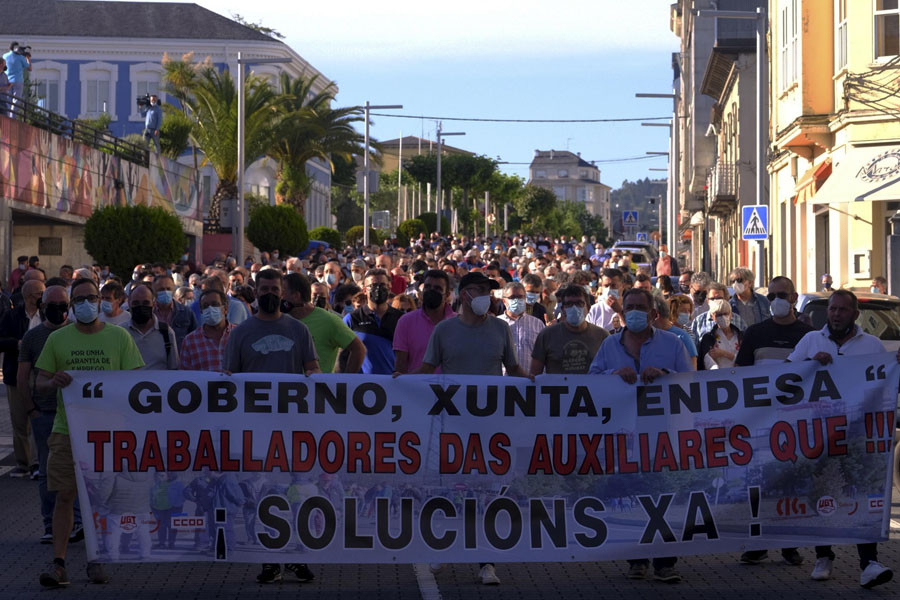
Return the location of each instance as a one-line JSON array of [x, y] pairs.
[[123, 236], [175, 134], [430, 221], [411, 228], [257, 27], [326, 234], [277, 227], [309, 128], [212, 108], [422, 168], [354, 235], [534, 202]]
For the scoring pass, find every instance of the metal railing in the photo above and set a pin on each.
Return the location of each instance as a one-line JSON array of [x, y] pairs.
[[73, 129], [722, 181]]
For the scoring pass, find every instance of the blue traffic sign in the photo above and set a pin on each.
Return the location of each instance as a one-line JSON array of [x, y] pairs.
[[755, 222], [641, 236], [630, 218]]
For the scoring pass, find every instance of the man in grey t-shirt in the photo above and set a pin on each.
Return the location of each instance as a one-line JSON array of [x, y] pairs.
[[473, 343], [271, 342]]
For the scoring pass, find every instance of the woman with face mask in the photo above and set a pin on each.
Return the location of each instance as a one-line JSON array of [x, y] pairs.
[[719, 347]]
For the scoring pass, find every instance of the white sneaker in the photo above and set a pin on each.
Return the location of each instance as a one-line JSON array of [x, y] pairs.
[[489, 575], [874, 574], [822, 570], [435, 568]]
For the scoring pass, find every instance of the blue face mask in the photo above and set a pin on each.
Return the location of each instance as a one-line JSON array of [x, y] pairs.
[[515, 305], [636, 320], [106, 306], [531, 297], [684, 319], [164, 297], [330, 279], [86, 312], [212, 315]]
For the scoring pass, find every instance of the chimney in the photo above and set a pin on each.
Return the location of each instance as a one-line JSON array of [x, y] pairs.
[[537, 152], [551, 154], [579, 154]]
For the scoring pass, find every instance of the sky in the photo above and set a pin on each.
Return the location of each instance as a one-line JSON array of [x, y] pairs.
[[496, 59]]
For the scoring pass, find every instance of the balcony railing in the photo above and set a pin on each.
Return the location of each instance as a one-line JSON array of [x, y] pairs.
[[76, 130], [721, 186]]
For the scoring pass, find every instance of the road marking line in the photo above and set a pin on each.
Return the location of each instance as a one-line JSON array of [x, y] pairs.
[[428, 587], [5, 470]]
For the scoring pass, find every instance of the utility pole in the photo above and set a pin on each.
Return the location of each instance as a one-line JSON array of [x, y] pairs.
[[440, 135], [368, 108]]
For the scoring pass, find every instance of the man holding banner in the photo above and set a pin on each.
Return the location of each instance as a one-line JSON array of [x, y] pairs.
[[87, 345], [640, 351], [271, 342], [840, 337]]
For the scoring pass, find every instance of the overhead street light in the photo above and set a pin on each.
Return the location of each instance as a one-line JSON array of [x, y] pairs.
[[657, 153], [366, 168], [238, 240], [440, 136]]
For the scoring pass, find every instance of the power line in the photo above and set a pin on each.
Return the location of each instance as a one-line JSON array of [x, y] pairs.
[[619, 120]]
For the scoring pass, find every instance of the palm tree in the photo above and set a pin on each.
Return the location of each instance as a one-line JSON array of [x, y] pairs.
[[308, 128], [212, 107]]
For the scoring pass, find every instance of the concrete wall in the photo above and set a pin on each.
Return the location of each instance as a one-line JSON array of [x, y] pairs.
[[26, 239]]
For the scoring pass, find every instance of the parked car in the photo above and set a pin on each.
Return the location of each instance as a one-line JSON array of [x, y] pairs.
[[648, 248], [639, 256], [879, 314]]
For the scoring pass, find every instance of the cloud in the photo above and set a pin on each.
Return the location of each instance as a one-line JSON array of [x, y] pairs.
[[407, 29]]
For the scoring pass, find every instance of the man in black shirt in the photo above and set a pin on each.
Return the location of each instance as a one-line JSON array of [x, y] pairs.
[[767, 342]]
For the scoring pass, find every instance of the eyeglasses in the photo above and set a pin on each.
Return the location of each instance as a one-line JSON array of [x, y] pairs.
[[772, 295], [93, 298], [737, 280]]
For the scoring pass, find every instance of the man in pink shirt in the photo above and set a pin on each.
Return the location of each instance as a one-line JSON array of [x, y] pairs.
[[414, 328]]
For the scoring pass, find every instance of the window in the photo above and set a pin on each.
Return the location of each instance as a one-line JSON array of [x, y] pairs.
[[540, 174], [887, 28], [562, 173], [788, 43], [583, 174], [583, 194], [560, 192], [50, 85], [98, 89], [840, 35], [145, 78]]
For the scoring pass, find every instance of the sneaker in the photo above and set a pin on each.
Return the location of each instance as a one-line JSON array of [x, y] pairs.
[[489, 575], [96, 574], [55, 576], [822, 570], [754, 557], [301, 570], [667, 575], [47, 538], [792, 557], [77, 533], [20, 473], [35, 472], [270, 573], [637, 571], [874, 574]]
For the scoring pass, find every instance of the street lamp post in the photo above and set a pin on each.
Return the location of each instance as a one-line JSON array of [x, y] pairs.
[[671, 184], [237, 244], [762, 105], [438, 202], [366, 168]]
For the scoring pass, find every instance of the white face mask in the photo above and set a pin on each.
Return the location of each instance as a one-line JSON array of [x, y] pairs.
[[723, 321], [739, 288], [780, 308], [481, 304]]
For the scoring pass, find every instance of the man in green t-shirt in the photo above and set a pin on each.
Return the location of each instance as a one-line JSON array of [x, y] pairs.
[[330, 333], [87, 345]]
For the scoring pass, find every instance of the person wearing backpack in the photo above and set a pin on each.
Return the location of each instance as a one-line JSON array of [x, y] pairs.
[[154, 338]]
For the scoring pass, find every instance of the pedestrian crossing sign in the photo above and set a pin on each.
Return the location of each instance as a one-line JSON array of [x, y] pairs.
[[630, 218], [755, 222], [641, 236]]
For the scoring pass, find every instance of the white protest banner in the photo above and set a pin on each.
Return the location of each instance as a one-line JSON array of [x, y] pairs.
[[179, 466]]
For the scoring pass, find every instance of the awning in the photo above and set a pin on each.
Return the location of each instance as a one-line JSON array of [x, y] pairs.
[[865, 173]]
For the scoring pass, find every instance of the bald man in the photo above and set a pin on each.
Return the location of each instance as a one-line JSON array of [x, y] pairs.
[[12, 328]]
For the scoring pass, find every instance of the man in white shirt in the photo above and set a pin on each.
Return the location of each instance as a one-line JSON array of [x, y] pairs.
[[609, 303], [524, 327], [841, 336]]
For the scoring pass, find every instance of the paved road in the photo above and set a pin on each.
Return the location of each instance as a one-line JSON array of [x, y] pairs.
[[712, 577]]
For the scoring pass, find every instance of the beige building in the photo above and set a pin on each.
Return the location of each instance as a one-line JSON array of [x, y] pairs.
[[410, 146], [572, 179], [835, 138]]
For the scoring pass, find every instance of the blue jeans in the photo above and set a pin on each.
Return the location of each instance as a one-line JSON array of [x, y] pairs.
[[41, 426]]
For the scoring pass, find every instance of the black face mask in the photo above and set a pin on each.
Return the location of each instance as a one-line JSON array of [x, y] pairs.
[[378, 294], [320, 301], [269, 303], [699, 297], [56, 313], [286, 306], [431, 299], [839, 334], [141, 314]]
